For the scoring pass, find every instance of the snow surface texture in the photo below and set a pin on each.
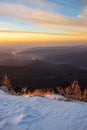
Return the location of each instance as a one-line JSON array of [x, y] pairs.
[[36, 113]]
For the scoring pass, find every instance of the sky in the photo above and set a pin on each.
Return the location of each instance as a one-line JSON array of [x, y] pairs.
[[43, 22]]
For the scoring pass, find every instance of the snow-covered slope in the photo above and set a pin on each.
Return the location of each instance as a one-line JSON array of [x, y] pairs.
[[36, 113]]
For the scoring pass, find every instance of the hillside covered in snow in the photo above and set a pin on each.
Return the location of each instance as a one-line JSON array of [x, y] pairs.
[[37, 113]]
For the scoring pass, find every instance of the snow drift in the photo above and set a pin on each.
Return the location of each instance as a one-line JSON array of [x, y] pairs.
[[36, 113]]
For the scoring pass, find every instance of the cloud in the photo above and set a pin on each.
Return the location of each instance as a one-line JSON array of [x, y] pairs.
[[40, 18], [31, 32], [49, 5], [7, 25], [39, 3], [67, 33], [83, 15], [48, 2]]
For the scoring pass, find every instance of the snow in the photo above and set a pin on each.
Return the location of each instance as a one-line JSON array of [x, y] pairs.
[[2, 91], [36, 113]]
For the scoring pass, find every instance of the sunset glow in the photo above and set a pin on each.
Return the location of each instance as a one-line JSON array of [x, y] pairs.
[[43, 22]]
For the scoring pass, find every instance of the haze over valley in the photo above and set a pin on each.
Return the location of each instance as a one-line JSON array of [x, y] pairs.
[[72, 55]]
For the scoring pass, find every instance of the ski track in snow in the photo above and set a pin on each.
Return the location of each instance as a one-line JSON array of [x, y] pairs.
[[36, 113]]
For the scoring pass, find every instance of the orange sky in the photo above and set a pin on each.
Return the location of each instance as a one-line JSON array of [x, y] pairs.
[[42, 37], [30, 38]]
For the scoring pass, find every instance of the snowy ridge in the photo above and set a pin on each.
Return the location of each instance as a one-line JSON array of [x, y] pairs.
[[36, 113]]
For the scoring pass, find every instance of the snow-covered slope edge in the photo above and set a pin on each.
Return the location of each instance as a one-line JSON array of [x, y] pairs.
[[36, 113]]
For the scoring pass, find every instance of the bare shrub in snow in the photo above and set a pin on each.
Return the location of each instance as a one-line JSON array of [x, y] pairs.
[[73, 92]]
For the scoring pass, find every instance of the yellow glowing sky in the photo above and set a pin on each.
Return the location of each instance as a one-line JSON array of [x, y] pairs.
[[18, 37]]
